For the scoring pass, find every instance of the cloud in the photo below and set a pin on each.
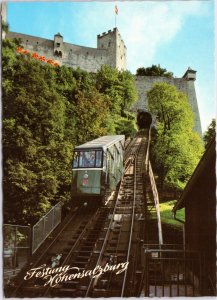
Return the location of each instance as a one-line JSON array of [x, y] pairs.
[[150, 26], [144, 26]]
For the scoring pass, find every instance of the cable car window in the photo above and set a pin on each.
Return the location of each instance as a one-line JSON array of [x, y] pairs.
[[98, 159], [87, 159], [75, 160]]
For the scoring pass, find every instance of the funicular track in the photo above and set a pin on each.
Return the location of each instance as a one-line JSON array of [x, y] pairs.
[[107, 241], [77, 227]]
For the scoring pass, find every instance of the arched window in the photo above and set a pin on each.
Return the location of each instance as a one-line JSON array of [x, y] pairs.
[[58, 53]]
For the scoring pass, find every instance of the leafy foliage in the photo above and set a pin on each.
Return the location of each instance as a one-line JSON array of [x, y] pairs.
[[177, 149], [154, 70], [210, 133], [119, 86], [46, 112], [5, 27]]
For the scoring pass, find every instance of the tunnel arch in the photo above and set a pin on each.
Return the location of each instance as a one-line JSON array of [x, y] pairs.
[[144, 119]]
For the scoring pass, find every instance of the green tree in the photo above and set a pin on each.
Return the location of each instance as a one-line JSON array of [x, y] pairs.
[[177, 148], [210, 133], [46, 112], [33, 136], [91, 114], [121, 89], [126, 125], [119, 86], [154, 70]]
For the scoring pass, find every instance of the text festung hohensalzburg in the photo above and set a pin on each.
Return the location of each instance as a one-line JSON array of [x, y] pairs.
[[54, 276]]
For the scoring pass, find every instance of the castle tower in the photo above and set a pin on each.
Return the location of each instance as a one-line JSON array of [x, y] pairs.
[[190, 77], [58, 45], [116, 49]]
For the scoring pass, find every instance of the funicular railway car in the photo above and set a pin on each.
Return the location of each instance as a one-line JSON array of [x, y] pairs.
[[97, 168]]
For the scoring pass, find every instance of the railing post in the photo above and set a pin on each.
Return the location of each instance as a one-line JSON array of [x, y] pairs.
[[53, 216], [15, 251], [156, 201], [43, 233], [146, 287]]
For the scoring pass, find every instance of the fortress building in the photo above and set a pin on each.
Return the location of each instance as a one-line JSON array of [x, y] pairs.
[[110, 50], [184, 84]]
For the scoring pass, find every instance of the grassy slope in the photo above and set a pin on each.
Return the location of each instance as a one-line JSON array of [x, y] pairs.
[[166, 214]]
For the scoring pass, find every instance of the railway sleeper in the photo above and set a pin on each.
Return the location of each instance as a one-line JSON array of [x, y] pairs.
[[91, 239], [81, 264], [86, 248], [73, 241], [115, 232], [64, 292], [98, 293], [82, 258], [84, 252], [67, 249]]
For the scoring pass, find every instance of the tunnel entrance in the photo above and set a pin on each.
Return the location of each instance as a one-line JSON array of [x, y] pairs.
[[144, 119]]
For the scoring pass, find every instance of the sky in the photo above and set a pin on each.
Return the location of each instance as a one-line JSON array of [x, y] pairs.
[[174, 34]]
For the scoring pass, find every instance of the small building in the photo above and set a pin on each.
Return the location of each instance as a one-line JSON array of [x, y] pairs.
[[199, 201]]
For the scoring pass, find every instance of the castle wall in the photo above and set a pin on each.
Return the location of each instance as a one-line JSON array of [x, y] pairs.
[[111, 51], [87, 58], [3, 16], [145, 83], [4, 11], [192, 98]]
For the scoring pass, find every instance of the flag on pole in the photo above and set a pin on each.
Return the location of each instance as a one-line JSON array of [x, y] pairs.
[[116, 9]]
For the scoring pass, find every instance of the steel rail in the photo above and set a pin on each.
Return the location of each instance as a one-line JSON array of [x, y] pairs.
[[105, 239], [49, 246], [109, 227], [132, 160], [78, 240], [132, 219]]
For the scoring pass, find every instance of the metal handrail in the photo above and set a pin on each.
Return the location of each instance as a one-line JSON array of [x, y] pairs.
[[51, 229], [156, 201]]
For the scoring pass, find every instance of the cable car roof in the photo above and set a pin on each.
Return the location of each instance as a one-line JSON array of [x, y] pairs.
[[102, 142]]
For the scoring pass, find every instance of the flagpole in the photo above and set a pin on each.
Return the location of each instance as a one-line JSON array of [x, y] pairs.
[[116, 13]]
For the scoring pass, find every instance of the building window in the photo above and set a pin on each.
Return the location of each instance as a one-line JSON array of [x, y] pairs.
[[109, 44], [57, 44], [58, 54]]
